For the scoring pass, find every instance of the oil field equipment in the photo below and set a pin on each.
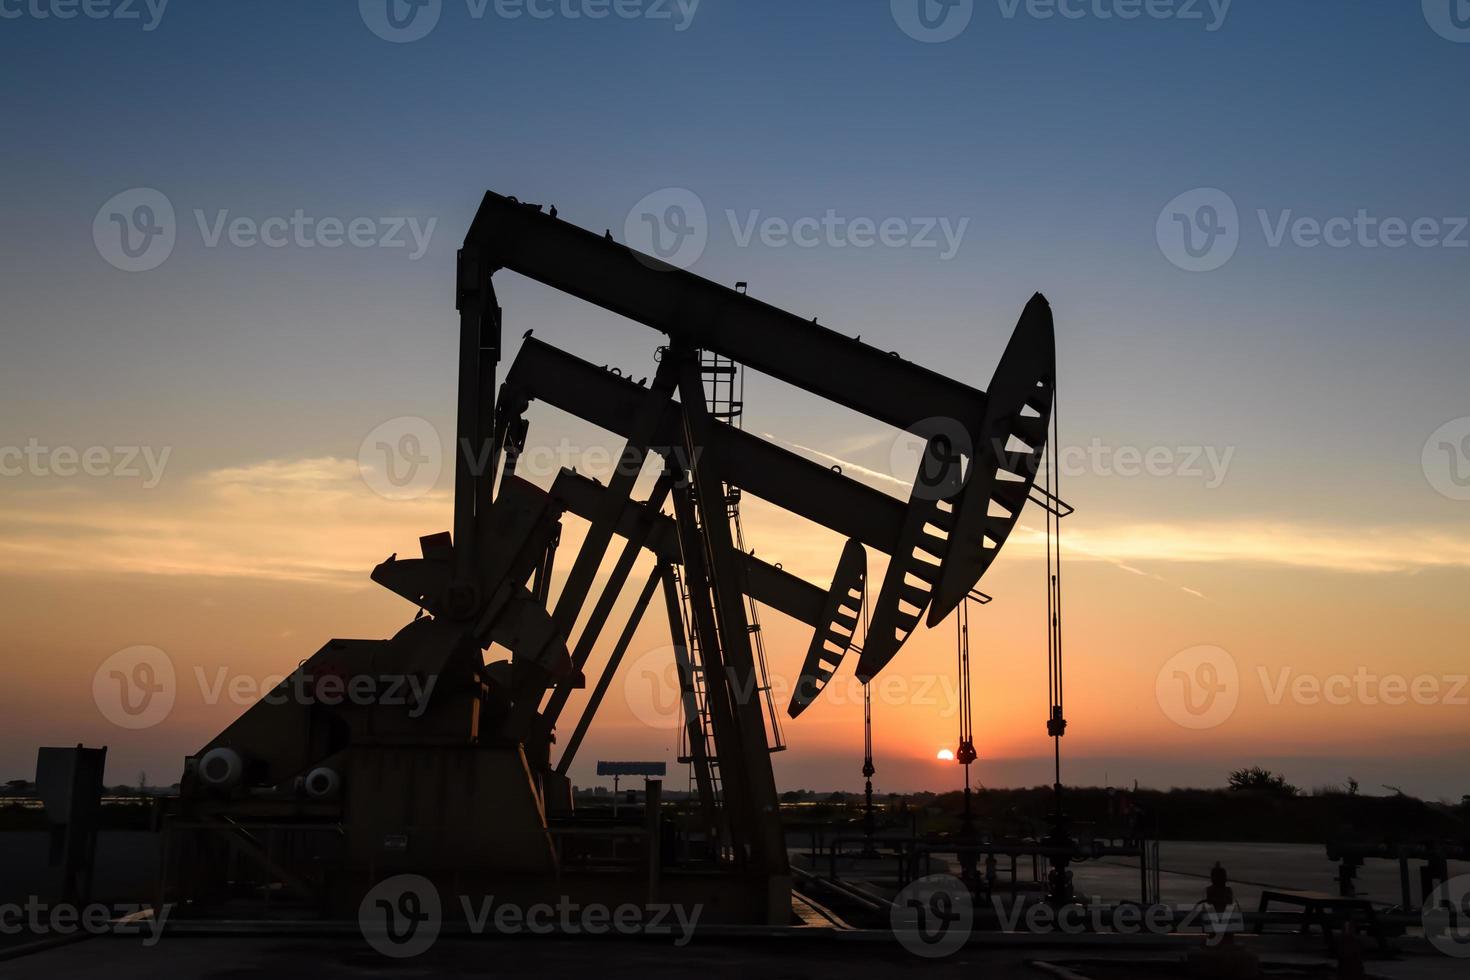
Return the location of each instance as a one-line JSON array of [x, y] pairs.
[[457, 773]]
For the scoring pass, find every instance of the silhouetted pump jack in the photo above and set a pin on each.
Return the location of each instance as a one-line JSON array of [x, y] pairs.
[[315, 800]]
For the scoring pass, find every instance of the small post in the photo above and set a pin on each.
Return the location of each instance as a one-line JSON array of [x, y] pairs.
[[652, 817], [69, 782]]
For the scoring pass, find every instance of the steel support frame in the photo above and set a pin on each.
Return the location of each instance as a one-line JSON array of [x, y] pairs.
[[527, 699], [703, 314], [738, 677], [614, 660], [479, 355], [699, 759], [541, 372], [605, 602]]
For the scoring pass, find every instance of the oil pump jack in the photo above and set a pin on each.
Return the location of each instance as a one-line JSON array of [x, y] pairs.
[[317, 798]]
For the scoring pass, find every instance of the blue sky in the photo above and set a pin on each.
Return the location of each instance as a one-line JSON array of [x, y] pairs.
[[1056, 141], [1059, 140]]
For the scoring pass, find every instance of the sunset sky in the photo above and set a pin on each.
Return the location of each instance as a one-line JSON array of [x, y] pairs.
[[1269, 459]]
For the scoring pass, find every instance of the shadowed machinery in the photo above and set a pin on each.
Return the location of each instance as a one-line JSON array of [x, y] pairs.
[[451, 760]]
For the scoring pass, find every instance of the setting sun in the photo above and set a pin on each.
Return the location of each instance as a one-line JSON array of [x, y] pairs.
[[945, 755]]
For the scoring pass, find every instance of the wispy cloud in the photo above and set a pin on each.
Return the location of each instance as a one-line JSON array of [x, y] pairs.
[[1344, 549], [1126, 544], [846, 464], [307, 520], [315, 520]]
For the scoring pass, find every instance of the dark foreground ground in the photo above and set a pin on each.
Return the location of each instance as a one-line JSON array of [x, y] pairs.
[[774, 957], [228, 959]]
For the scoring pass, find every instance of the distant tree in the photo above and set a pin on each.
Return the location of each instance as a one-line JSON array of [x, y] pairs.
[[835, 798], [1258, 780], [1352, 786]]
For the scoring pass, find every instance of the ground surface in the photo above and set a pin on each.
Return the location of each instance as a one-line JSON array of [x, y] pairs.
[[229, 959], [770, 958]]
